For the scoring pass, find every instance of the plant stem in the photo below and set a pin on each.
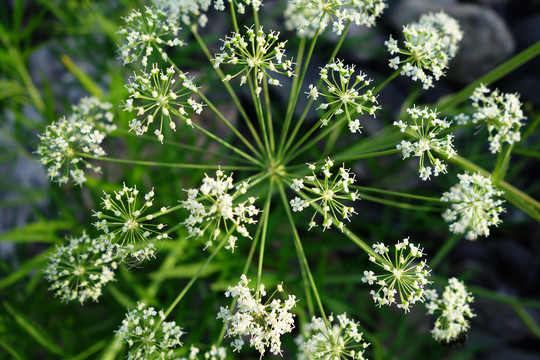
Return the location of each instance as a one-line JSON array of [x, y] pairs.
[[171, 165], [264, 225], [301, 254], [197, 274], [229, 90]]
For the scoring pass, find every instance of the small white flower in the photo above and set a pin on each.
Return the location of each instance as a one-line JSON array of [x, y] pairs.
[[475, 206], [328, 193], [425, 127], [79, 269], [335, 341], [211, 207], [404, 276], [263, 323], [148, 335], [344, 94], [454, 311]]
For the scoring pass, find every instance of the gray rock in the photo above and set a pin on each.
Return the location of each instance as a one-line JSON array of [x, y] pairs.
[[486, 43]]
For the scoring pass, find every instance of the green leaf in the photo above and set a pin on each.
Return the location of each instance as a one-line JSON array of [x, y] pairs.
[[35, 331], [41, 231], [35, 262]]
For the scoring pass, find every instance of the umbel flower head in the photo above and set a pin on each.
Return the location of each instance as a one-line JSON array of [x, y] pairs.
[[404, 276], [335, 341], [329, 193], [96, 112], [188, 11], [79, 269], [429, 46], [308, 16], [128, 224], [211, 207], [453, 309], [64, 146], [215, 353], [148, 30], [500, 112], [264, 323], [342, 93], [425, 128], [160, 95], [475, 205], [260, 56], [148, 336]]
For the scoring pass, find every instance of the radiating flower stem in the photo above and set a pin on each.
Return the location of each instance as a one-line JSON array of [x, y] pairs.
[[264, 230], [300, 252], [171, 165]]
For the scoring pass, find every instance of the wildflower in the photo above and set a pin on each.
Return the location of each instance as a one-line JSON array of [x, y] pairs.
[[79, 269], [215, 353], [146, 31], [96, 112], [429, 46], [211, 207], [502, 115], [337, 341], [259, 56], [188, 11], [453, 309], [404, 276], [343, 96], [308, 16], [328, 192], [160, 95], [264, 323], [127, 223], [425, 129], [65, 145], [148, 335], [475, 206]]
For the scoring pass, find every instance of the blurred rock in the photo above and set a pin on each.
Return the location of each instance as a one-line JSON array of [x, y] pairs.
[[486, 43]]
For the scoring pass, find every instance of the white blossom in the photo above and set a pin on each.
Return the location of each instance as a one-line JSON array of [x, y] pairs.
[[475, 206]]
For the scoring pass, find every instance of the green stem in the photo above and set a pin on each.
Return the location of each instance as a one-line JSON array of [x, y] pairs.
[[229, 90], [226, 144], [381, 86], [171, 165], [197, 274], [507, 67], [268, 113], [503, 160], [395, 193], [259, 111], [301, 254], [444, 250], [266, 214]]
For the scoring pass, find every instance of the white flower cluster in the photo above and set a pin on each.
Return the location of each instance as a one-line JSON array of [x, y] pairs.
[[127, 224], [96, 112], [475, 205], [430, 44], [500, 112], [148, 30], [64, 146], [308, 16], [329, 192], [404, 276], [261, 55], [343, 96], [211, 206], [185, 10], [425, 129], [215, 353], [454, 311], [79, 269], [148, 336], [264, 323], [338, 341], [160, 95]]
